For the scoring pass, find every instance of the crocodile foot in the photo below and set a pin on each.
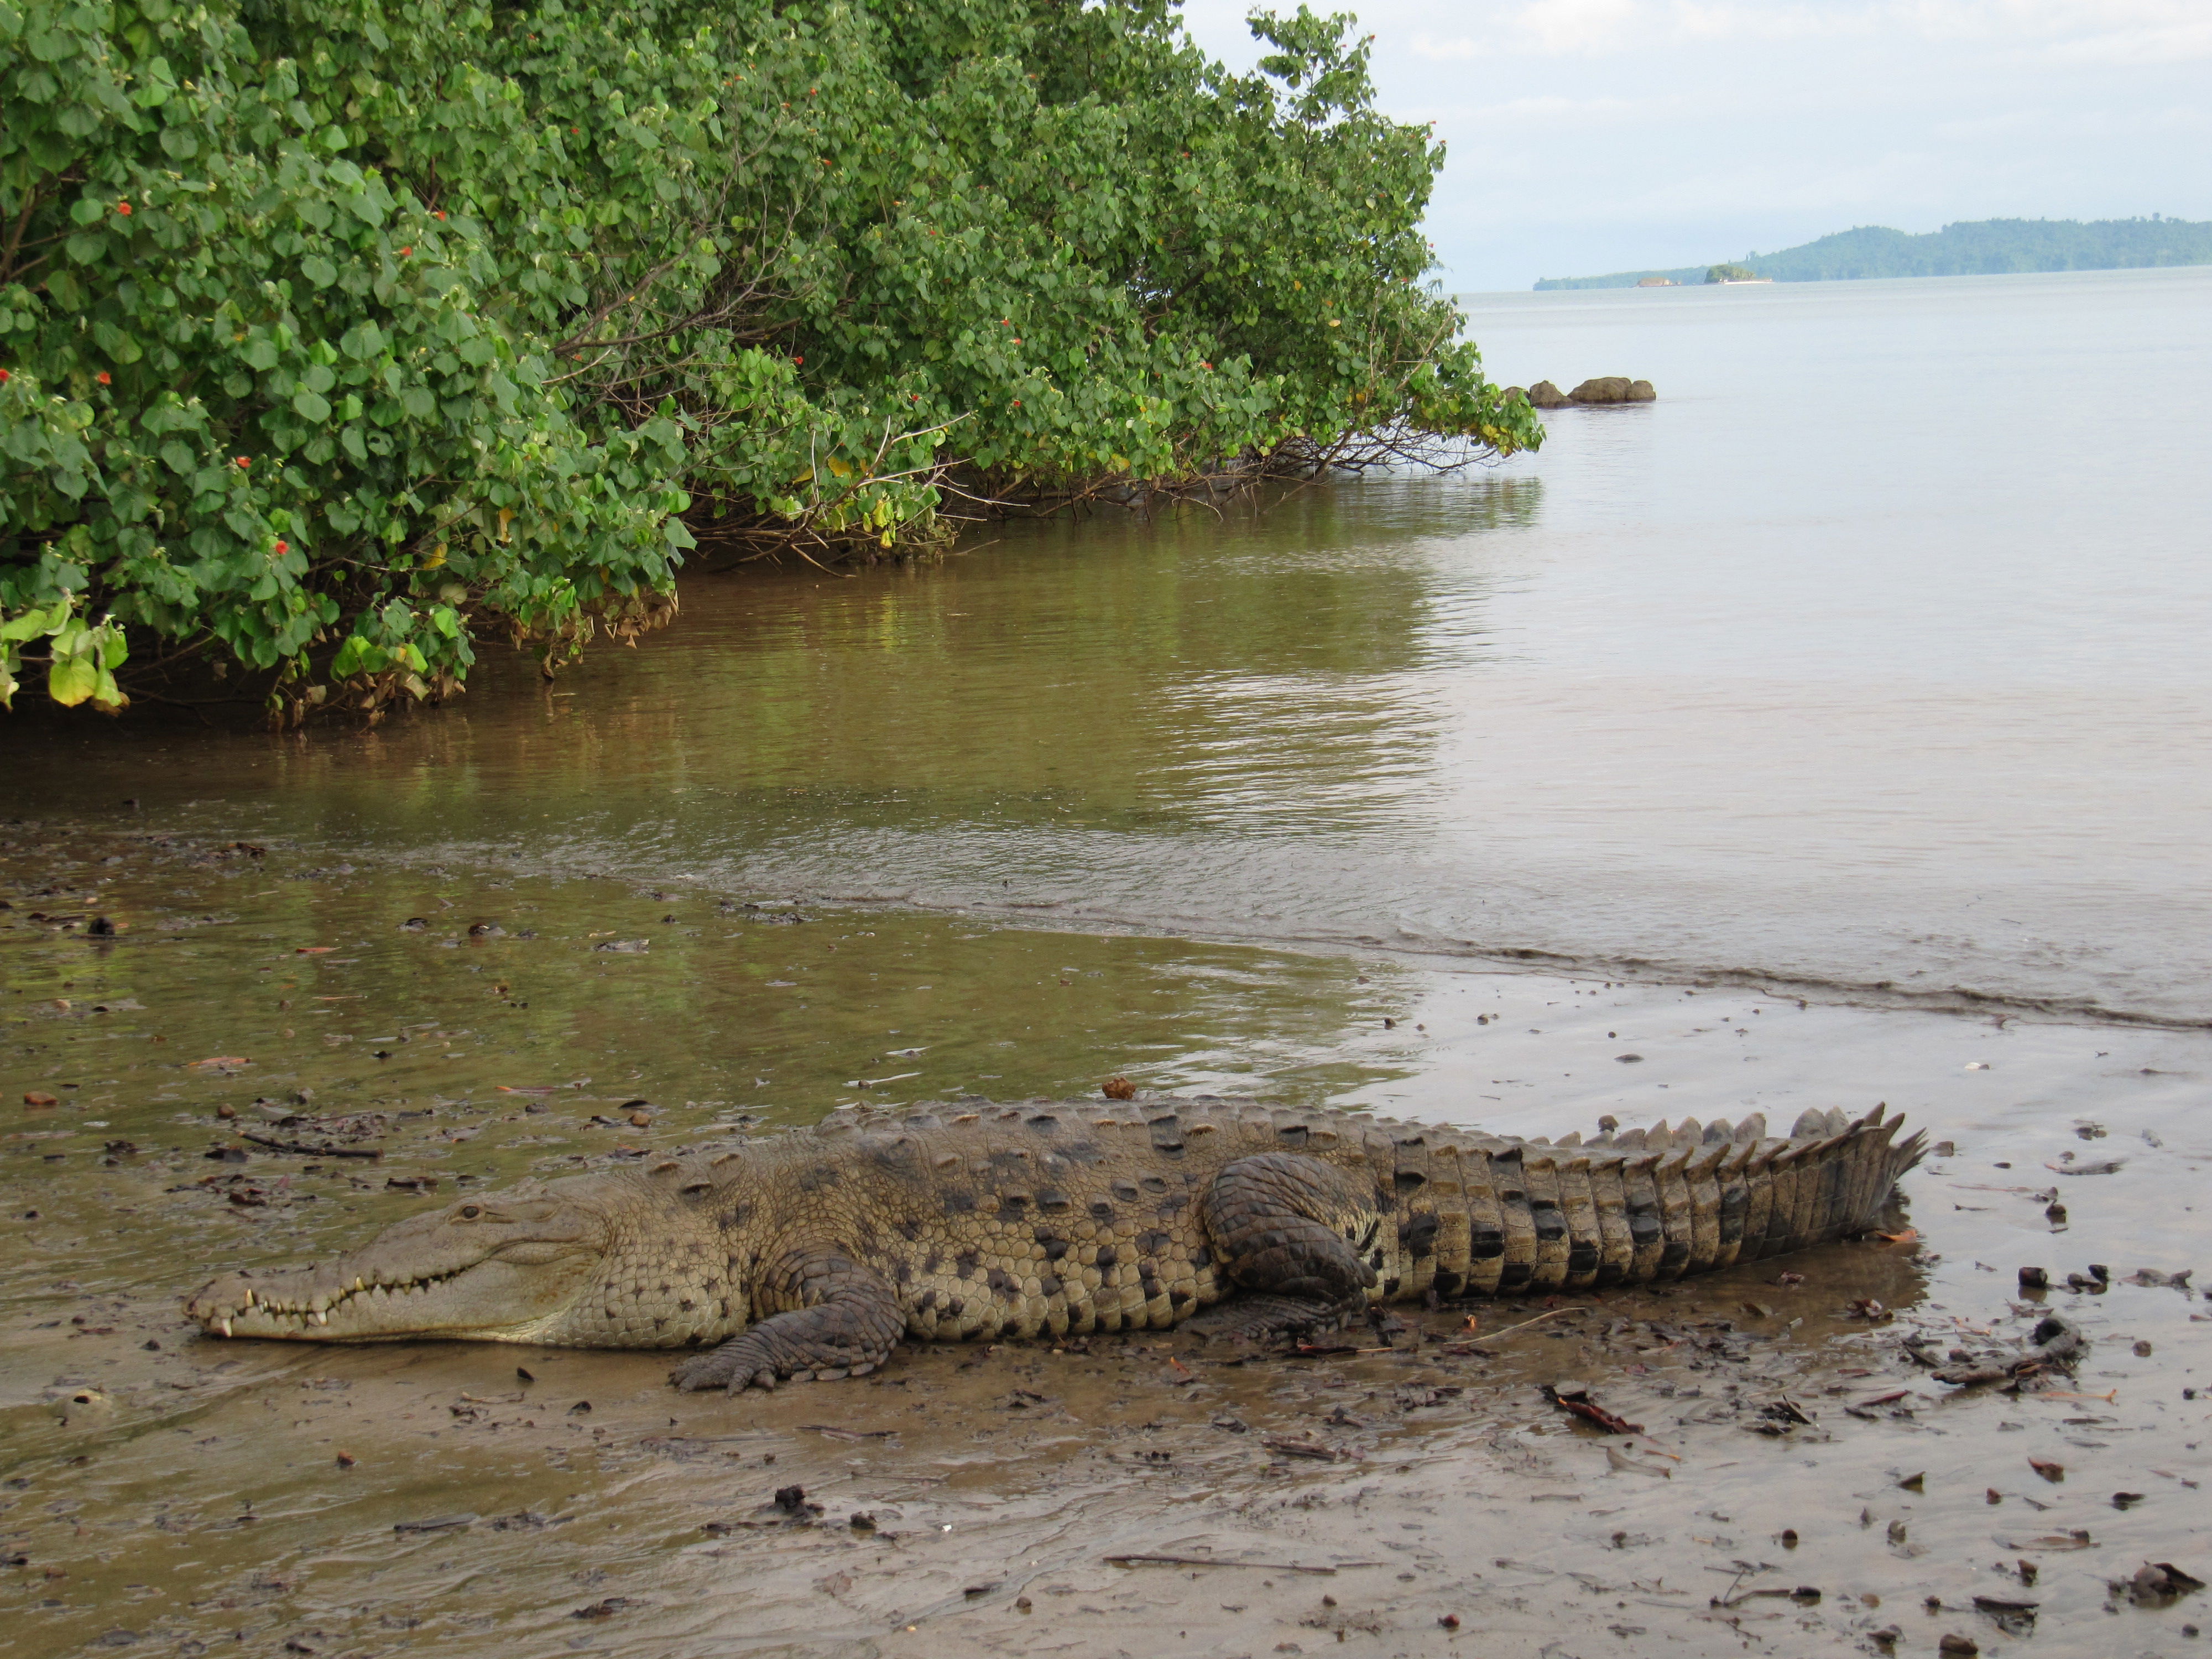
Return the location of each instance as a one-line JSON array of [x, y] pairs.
[[848, 1325]]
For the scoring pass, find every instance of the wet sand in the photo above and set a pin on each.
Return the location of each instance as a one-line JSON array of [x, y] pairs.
[[167, 1494]]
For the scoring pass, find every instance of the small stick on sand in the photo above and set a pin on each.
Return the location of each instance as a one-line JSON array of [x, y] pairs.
[[1209, 1561], [1526, 1323]]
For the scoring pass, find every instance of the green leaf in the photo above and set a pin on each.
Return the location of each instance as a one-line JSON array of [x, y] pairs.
[[36, 623], [72, 679], [311, 405], [319, 270]]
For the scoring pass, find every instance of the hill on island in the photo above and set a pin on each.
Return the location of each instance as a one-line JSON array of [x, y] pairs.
[[1980, 248]]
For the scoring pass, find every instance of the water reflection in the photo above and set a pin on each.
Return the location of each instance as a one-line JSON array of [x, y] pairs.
[[1246, 673]]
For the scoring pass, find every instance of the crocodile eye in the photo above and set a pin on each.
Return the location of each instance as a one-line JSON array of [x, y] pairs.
[[469, 1212]]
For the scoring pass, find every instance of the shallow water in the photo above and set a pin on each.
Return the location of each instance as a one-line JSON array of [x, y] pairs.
[[1872, 652]]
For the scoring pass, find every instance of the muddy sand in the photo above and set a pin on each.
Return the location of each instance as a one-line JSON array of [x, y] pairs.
[[1798, 1482]]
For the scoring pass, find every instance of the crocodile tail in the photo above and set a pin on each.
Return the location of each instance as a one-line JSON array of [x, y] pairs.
[[1657, 1203], [1830, 1178]]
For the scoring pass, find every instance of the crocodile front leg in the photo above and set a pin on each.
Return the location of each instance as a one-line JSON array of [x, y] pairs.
[[1296, 1230], [838, 1319]]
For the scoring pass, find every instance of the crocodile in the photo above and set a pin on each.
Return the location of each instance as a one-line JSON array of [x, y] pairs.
[[812, 1253]]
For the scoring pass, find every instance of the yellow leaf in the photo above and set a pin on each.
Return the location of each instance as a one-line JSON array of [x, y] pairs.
[[71, 680]]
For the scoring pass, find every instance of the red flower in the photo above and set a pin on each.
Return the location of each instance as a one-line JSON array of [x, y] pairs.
[[123, 208], [439, 214], [4, 377], [102, 376], [246, 460], [284, 547], [1205, 365], [1018, 403], [799, 360], [404, 251]]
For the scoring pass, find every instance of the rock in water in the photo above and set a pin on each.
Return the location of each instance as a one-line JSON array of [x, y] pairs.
[[1545, 395], [1640, 391], [1605, 389]]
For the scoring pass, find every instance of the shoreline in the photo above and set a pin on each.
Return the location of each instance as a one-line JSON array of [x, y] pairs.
[[1092, 918], [1011, 1473]]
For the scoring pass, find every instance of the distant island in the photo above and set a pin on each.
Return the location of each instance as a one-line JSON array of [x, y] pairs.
[[1981, 248]]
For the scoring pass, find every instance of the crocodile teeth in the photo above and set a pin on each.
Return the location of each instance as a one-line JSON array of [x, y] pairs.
[[320, 1317], [249, 1298], [222, 1328]]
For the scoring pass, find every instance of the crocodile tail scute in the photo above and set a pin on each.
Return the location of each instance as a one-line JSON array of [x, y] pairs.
[[1833, 1178], [1501, 1216], [1658, 1203]]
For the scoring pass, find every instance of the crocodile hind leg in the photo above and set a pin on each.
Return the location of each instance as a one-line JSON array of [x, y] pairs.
[[1297, 1233], [838, 1319]]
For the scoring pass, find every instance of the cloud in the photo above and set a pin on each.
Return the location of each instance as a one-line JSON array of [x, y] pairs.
[[2119, 31], [1443, 51], [1579, 26], [1563, 107]]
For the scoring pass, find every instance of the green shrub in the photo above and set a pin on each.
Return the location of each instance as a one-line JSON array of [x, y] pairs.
[[337, 339]]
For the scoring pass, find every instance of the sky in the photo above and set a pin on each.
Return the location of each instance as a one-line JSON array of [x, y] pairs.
[[1594, 136]]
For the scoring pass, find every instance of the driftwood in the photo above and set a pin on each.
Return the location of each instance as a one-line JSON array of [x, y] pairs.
[[2055, 1342], [301, 1149]]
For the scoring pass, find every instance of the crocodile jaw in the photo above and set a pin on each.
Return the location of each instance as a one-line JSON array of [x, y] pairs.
[[490, 1269]]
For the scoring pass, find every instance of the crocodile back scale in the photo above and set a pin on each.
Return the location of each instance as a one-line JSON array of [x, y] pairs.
[[812, 1252]]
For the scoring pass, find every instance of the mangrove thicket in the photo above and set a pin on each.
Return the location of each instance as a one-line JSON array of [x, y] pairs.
[[339, 337]]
